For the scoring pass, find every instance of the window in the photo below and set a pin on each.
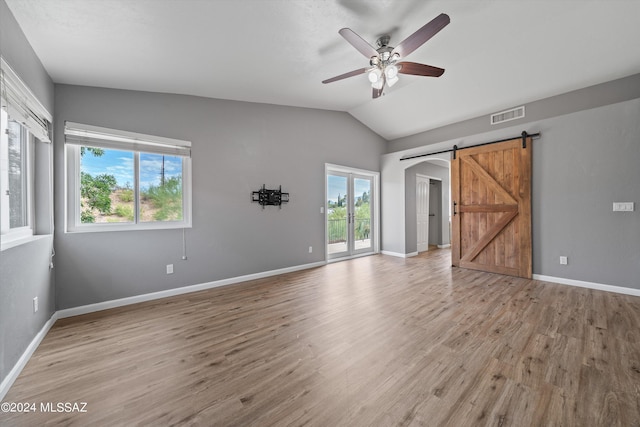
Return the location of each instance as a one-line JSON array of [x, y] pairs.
[[15, 180], [121, 180], [24, 142]]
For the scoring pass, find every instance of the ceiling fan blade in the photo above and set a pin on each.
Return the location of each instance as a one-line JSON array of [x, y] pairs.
[[346, 75], [419, 69], [418, 38], [358, 42]]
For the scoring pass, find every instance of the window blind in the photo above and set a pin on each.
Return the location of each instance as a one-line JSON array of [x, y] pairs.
[[22, 105], [94, 136]]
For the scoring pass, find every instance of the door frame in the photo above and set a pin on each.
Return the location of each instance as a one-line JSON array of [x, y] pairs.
[[375, 208]]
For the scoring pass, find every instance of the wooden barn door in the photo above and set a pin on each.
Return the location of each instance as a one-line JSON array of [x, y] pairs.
[[491, 195]]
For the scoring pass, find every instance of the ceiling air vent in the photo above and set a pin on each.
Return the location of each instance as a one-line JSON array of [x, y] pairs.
[[505, 116]]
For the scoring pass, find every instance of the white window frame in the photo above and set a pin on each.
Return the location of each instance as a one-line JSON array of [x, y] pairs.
[[11, 237], [21, 105], [79, 135]]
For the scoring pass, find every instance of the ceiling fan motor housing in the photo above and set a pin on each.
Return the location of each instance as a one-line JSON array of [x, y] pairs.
[[385, 55], [383, 41]]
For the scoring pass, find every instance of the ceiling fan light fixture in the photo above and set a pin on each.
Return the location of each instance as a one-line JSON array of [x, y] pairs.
[[375, 76], [392, 81], [391, 72]]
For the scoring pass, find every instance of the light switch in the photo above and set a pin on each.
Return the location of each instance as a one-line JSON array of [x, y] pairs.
[[623, 206]]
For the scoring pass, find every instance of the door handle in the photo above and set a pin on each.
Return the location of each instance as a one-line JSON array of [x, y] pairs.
[[454, 208]]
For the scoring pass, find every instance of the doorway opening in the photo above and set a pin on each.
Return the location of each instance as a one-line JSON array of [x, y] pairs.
[[427, 217], [428, 212]]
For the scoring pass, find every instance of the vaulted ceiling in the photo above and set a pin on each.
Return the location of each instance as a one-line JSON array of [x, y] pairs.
[[497, 53]]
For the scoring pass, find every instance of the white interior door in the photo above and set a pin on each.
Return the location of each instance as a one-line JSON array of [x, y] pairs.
[[422, 212]]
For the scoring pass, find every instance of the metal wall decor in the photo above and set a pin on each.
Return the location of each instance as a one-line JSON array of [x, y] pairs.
[[270, 197]]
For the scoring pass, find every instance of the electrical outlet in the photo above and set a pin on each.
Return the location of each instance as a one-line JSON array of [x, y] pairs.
[[35, 304], [563, 260], [310, 249], [169, 268]]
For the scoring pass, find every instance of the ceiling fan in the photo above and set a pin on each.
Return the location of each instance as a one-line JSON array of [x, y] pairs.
[[384, 62]]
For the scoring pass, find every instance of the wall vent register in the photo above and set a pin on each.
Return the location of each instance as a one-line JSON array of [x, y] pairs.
[[508, 115]]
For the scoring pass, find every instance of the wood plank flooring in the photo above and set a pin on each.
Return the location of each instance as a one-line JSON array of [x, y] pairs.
[[375, 341]]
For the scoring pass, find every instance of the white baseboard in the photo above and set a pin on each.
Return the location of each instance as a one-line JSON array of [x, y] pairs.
[[398, 254], [90, 308], [448, 245], [22, 362], [590, 285]]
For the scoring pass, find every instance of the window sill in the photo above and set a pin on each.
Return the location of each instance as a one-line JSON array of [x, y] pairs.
[[100, 228], [21, 241]]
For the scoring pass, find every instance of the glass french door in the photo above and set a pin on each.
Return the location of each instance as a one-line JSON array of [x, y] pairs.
[[349, 214]]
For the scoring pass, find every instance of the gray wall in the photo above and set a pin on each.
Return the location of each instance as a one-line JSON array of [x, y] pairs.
[[17, 51], [411, 231], [584, 162], [25, 274], [237, 147], [24, 270], [608, 93]]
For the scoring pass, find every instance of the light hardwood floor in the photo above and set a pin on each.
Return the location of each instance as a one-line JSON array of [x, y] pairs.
[[375, 341]]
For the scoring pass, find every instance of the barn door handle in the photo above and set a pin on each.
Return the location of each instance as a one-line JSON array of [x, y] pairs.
[[454, 208]]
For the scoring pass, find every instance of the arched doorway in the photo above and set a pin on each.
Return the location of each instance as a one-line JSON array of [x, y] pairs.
[[398, 211]]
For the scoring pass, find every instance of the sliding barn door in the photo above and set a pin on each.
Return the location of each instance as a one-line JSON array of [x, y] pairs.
[[491, 195]]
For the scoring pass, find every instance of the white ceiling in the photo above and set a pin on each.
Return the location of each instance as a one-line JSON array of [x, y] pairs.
[[497, 53]]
